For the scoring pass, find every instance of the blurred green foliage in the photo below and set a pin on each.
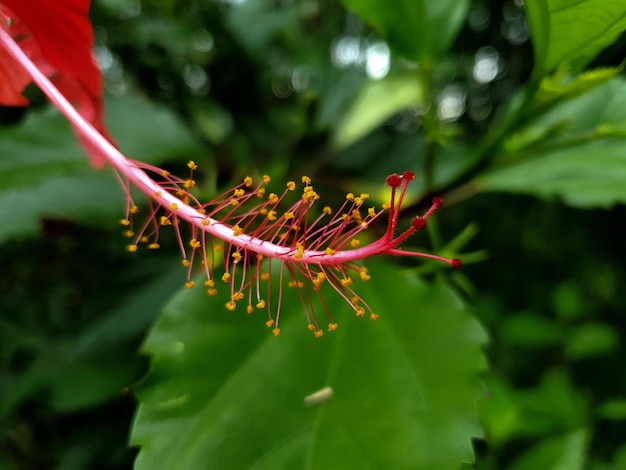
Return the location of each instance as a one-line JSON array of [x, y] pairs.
[[513, 114]]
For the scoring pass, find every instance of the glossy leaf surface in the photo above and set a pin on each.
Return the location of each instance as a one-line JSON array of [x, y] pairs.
[[566, 32], [224, 392]]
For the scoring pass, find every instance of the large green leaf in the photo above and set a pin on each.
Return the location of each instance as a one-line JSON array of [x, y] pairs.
[[576, 152], [46, 174], [572, 32], [94, 365], [224, 393], [566, 452], [375, 102], [421, 30]]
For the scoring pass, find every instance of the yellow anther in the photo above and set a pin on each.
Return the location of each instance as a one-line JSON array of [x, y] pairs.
[[385, 206], [226, 277], [272, 198], [327, 210], [266, 179], [373, 316], [358, 201], [237, 296], [299, 251], [188, 184], [236, 257], [131, 248], [205, 222], [144, 239], [134, 209], [237, 230], [190, 284], [247, 181], [234, 201], [265, 276], [332, 326], [165, 173], [364, 275], [309, 196], [193, 243], [157, 194], [231, 305], [289, 215], [311, 327], [371, 212], [269, 323], [260, 258], [239, 192], [202, 210], [249, 309], [355, 243], [186, 263], [276, 331], [360, 312], [125, 222], [271, 215], [318, 333], [260, 304], [209, 283], [173, 206], [165, 221], [154, 246], [291, 185], [363, 224], [128, 233], [192, 165], [218, 248], [298, 284], [306, 180], [260, 193], [329, 251], [211, 291], [350, 196], [346, 281], [364, 196], [355, 300], [344, 216]]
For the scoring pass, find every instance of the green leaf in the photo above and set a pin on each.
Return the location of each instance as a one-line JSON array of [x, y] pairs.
[[529, 330], [418, 29], [591, 339], [575, 152], [566, 452], [573, 33], [223, 392], [46, 174], [613, 410], [555, 404], [376, 102], [96, 364]]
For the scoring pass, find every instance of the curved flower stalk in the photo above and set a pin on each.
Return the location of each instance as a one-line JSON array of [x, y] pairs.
[[313, 251]]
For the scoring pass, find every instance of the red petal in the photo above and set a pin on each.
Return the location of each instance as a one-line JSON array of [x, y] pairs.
[[64, 43]]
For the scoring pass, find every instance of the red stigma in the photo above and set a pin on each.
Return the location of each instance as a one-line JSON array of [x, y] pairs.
[[437, 202], [394, 180], [419, 223], [456, 263], [408, 175]]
